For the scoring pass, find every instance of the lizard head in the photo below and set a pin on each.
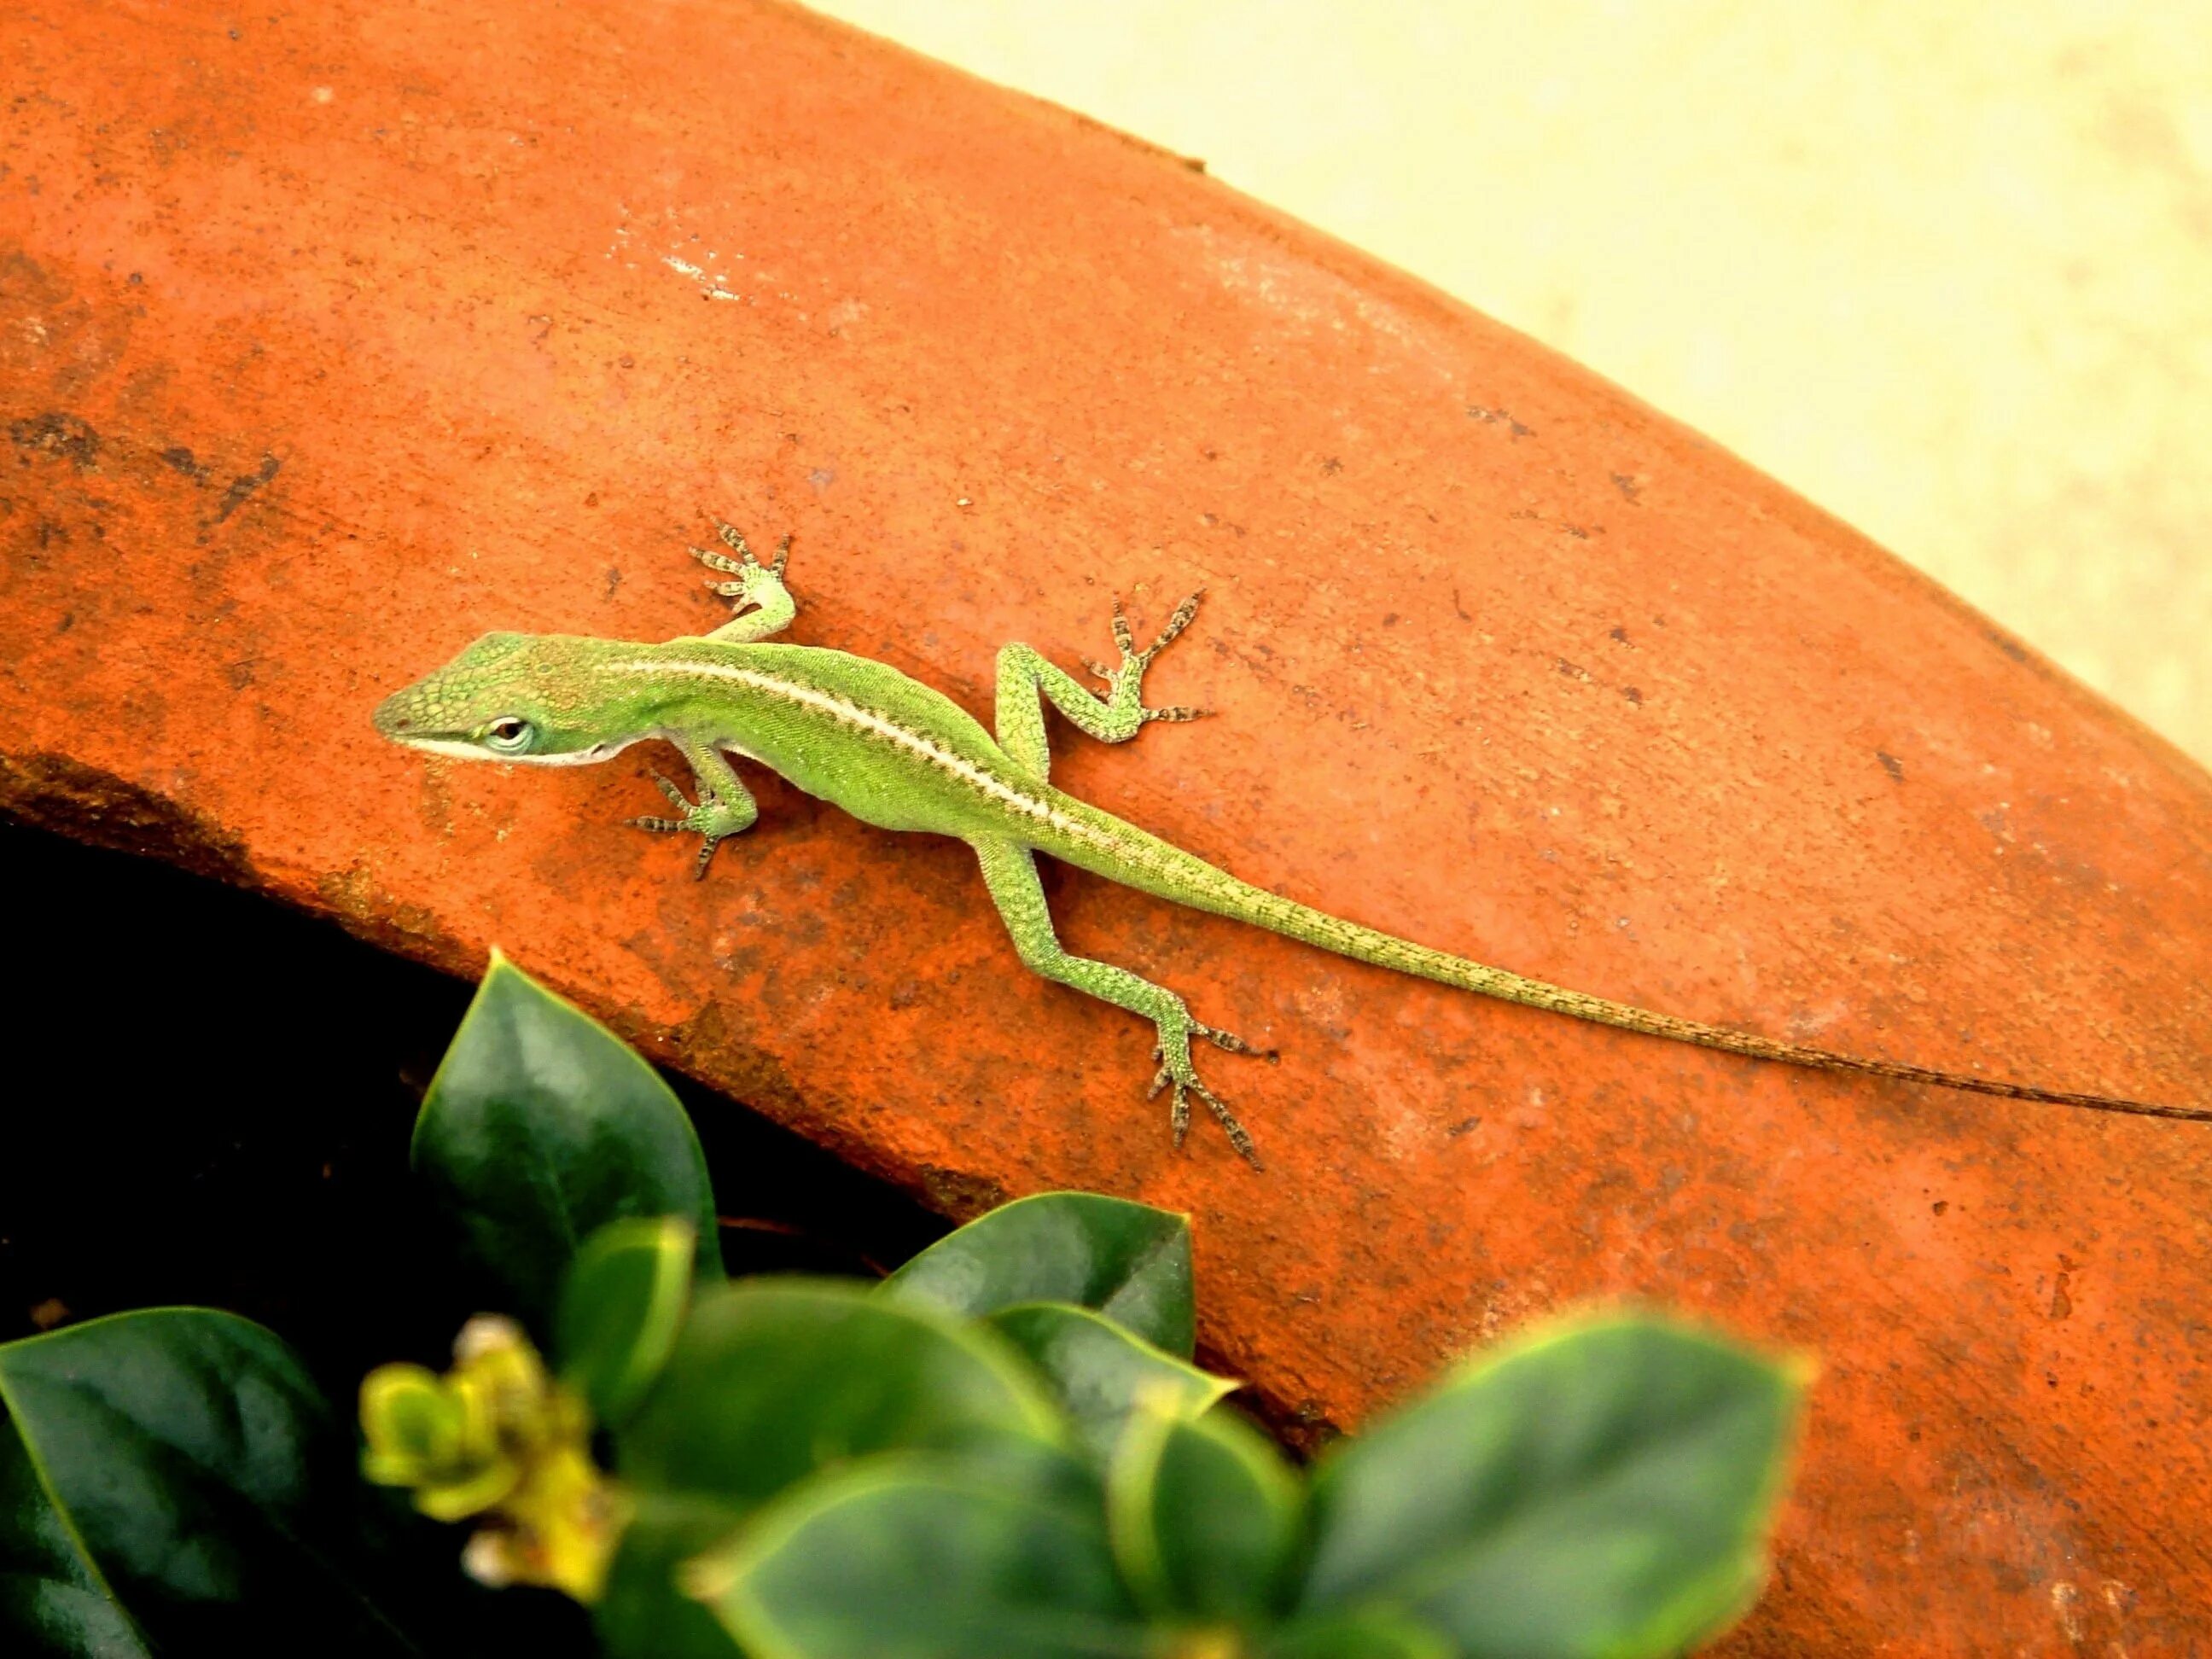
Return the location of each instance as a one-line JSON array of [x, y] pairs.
[[511, 697]]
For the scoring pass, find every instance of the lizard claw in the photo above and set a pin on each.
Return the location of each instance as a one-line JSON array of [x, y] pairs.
[[1126, 642], [734, 539], [1124, 693], [707, 850], [714, 561], [1175, 1074], [750, 582], [697, 820], [1179, 1113], [1232, 1043], [1176, 623]]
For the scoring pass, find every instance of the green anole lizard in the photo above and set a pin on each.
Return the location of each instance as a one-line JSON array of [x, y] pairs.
[[897, 754]]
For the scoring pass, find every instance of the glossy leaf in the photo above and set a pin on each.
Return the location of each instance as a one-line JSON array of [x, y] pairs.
[[1605, 1488], [902, 1559], [769, 1382], [641, 1613], [644, 1615], [52, 1600], [620, 1308], [1204, 1516], [173, 1481], [1128, 1262], [540, 1127], [774, 1378], [1100, 1374]]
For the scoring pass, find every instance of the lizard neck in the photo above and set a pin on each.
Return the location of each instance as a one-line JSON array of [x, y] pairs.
[[609, 685]]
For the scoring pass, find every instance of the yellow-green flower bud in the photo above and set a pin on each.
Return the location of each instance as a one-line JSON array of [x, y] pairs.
[[496, 1437]]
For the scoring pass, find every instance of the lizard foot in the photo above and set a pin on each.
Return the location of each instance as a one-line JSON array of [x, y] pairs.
[[705, 819], [750, 571], [1130, 675], [1176, 1072]]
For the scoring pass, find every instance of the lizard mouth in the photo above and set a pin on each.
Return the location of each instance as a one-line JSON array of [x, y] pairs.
[[401, 730], [605, 749], [452, 748]]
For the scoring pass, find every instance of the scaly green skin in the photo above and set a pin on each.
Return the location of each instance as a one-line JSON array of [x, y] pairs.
[[898, 754]]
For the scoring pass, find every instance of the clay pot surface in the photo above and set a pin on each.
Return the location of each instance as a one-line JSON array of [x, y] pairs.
[[334, 335]]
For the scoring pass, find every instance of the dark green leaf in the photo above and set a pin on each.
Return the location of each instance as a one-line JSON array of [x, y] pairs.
[[541, 1127], [620, 1308], [1357, 1636], [1204, 1516], [1100, 1373], [173, 1481], [1129, 1261], [773, 1379], [641, 1614], [53, 1605], [1602, 1489], [902, 1559]]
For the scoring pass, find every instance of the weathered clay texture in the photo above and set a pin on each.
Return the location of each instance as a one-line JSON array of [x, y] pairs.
[[333, 335]]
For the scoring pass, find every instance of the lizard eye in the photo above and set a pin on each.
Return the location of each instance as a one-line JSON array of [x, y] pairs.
[[510, 732]]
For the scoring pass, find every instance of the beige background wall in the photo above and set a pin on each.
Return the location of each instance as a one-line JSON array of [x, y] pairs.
[[1947, 271]]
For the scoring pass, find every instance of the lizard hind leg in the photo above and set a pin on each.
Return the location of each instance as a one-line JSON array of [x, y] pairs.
[[1115, 716], [1010, 873]]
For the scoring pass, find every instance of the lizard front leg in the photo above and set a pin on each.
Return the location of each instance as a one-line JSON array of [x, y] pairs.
[[1010, 873], [1116, 717], [752, 584], [724, 806]]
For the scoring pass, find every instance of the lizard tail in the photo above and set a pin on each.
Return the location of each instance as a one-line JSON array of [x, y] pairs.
[[1121, 853]]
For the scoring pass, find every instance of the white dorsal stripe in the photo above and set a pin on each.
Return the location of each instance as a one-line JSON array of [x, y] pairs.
[[862, 719]]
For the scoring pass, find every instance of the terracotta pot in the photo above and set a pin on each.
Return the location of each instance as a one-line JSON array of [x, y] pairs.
[[333, 334]]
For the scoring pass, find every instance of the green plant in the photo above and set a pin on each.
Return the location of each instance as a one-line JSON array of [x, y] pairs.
[[1003, 1448]]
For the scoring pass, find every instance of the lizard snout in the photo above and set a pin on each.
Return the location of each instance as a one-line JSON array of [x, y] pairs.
[[395, 716], [389, 717]]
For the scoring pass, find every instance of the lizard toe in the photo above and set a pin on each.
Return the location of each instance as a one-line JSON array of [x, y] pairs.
[[1230, 1041], [1238, 1137]]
